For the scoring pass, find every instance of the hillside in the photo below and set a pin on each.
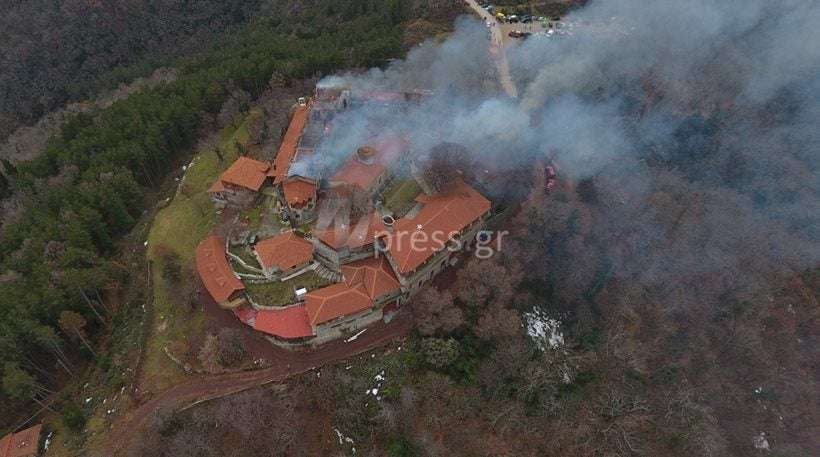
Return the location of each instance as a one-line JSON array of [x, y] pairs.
[[332, 228]]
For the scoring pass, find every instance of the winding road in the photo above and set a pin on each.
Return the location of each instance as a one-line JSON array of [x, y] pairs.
[[200, 388], [206, 387], [497, 49]]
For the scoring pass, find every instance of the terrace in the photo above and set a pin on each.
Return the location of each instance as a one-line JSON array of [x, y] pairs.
[[282, 293], [400, 196]]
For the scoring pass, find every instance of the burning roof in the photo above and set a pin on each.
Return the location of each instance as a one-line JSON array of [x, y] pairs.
[[298, 190], [371, 161], [287, 150]]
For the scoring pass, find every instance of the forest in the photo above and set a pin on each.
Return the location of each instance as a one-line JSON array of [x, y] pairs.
[[56, 52], [659, 299], [65, 211]]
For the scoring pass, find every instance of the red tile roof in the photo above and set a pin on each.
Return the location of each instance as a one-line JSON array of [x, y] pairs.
[[383, 96], [361, 234], [364, 281], [287, 150], [21, 444], [358, 174], [217, 186], [214, 269], [441, 216], [245, 314], [290, 322], [284, 251], [374, 273], [335, 301], [299, 190], [244, 172]]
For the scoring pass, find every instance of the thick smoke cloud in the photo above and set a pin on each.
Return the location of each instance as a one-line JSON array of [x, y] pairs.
[[717, 103]]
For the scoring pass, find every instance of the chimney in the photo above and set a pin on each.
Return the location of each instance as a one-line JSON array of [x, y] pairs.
[[388, 222], [366, 155]]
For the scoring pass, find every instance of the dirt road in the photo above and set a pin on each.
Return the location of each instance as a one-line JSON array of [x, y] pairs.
[[497, 49], [205, 387]]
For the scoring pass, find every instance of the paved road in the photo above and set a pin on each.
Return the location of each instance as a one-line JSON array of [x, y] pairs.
[[497, 49], [204, 387]]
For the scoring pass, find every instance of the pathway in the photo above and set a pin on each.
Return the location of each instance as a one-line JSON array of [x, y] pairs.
[[497, 49], [205, 387]]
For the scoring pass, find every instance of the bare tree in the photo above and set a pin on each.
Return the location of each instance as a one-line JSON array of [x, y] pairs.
[[436, 311], [209, 354]]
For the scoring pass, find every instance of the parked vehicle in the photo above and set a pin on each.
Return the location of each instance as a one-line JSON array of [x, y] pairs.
[[513, 19]]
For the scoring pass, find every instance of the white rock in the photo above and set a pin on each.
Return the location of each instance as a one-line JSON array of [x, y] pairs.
[[761, 442]]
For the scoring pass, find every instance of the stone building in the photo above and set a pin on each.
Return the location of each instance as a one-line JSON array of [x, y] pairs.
[[299, 199], [421, 246], [241, 183], [343, 243], [283, 254], [217, 275], [367, 172], [346, 307]]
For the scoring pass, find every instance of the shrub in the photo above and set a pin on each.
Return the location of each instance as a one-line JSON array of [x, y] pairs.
[[73, 417], [400, 446], [439, 352]]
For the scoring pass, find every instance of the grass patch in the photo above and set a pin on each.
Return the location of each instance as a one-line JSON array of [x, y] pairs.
[[253, 216], [180, 227], [400, 196], [280, 293], [246, 255]]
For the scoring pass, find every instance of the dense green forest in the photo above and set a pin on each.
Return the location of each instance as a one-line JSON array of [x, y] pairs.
[[87, 190], [56, 52]]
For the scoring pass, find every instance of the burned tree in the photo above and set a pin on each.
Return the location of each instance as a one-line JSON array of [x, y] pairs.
[[446, 164]]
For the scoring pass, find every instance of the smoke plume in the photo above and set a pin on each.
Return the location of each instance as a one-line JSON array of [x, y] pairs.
[[715, 103]]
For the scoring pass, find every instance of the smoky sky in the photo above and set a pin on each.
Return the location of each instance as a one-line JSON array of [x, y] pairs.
[[716, 102]]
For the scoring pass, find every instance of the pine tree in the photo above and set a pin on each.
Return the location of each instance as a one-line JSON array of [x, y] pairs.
[[9, 168], [5, 186]]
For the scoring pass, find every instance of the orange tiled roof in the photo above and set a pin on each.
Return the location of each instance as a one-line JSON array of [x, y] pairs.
[[362, 175], [287, 150], [284, 251], [384, 96], [214, 269], [245, 314], [335, 301], [244, 172], [298, 190], [441, 216], [290, 322], [374, 273], [21, 444], [217, 186], [358, 174], [361, 234]]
